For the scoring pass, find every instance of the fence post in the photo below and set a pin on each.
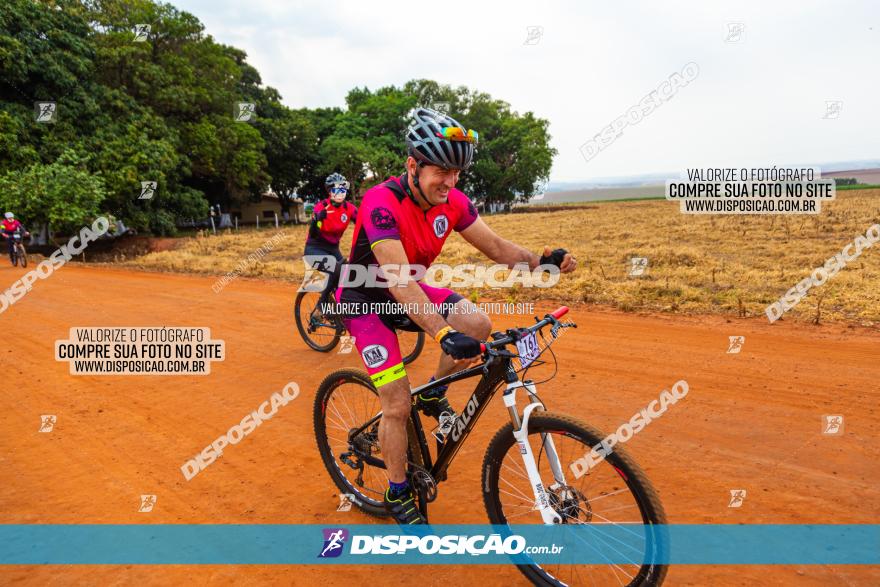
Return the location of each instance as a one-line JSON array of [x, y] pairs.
[[236, 224], [258, 221], [213, 228], [276, 220]]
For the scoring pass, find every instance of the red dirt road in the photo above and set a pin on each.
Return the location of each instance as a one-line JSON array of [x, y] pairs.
[[750, 421]]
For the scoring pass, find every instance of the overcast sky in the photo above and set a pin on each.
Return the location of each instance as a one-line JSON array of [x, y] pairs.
[[760, 100]]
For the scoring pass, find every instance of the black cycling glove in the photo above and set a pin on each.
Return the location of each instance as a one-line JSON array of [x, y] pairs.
[[555, 258], [459, 345]]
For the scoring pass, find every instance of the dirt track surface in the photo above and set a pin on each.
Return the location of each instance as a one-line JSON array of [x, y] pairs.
[[750, 421]]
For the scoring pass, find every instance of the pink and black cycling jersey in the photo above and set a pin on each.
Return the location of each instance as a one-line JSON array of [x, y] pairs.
[[10, 226], [330, 223], [389, 212]]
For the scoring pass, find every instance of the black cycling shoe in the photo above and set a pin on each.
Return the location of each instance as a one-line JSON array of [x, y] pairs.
[[433, 403], [402, 507]]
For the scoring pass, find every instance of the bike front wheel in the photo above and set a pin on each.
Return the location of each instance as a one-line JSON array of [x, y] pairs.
[[615, 491], [22, 256]]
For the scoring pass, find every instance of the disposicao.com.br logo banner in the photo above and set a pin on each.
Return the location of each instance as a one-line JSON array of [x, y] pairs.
[[600, 544]]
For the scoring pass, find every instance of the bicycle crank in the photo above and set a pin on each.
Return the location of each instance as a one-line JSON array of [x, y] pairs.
[[422, 480]]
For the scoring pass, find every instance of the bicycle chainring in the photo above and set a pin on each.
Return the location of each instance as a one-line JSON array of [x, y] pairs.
[[422, 480]]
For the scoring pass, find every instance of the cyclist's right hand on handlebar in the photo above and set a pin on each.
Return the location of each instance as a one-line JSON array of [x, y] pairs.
[[459, 345]]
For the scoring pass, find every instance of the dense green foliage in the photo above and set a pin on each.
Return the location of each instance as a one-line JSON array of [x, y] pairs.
[[165, 110]]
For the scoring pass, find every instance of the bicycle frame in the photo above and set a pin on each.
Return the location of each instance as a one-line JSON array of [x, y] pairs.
[[327, 297], [493, 375]]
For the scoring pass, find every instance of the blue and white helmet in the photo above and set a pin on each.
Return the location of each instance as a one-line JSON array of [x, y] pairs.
[[336, 179]]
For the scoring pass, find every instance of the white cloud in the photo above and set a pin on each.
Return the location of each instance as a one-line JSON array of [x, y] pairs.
[[758, 102]]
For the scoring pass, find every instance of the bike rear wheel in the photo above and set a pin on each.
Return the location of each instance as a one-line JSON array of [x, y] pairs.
[[345, 400], [616, 491], [320, 331]]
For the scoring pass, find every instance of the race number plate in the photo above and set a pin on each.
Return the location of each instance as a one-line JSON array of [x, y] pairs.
[[528, 349]]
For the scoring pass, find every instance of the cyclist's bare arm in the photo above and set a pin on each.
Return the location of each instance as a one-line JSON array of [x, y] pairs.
[[411, 295], [503, 251]]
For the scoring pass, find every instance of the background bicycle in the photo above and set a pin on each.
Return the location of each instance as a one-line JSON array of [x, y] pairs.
[[321, 327], [18, 254]]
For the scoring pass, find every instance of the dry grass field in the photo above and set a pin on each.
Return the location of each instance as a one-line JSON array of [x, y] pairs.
[[732, 265]]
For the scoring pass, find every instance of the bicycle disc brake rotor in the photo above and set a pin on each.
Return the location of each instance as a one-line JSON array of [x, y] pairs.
[[571, 504], [367, 442]]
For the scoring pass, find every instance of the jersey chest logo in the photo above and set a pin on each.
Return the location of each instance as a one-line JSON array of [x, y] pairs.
[[441, 225], [344, 217]]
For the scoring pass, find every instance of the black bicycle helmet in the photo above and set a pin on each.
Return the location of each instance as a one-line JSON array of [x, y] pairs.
[[425, 141]]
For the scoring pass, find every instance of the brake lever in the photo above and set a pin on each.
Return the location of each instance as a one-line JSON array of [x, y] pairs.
[[494, 354], [485, 367], [555, 328]]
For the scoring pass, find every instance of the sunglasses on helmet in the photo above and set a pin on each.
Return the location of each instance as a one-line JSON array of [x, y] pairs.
[[456, 133]]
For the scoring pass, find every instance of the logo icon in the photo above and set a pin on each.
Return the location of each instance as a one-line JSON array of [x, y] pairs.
[[737, 497], [334, 540], [47, 423], [442, 108], [374, 355], [317, 274], [344, 217], [383, 219], [533, 35], [441, 225], [140, 32], [832, 424], [736, 344], [244, 111], [832, 109], [540, 191], [638, 266], [345, 501], [147, 503], [346, 343], [45, 111], [735, 32], [148, 189]]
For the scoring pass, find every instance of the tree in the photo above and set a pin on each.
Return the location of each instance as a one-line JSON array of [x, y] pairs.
[[164, 110], [289, 136], [62, 195]]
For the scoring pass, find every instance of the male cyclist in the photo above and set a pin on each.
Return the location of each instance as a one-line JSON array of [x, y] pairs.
[[8, 227], [406, 220]]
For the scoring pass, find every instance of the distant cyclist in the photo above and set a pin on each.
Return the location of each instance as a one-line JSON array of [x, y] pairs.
[[9, 227], [406, 220], [330, 219]]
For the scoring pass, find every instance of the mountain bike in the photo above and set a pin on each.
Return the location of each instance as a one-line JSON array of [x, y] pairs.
[[321, 326], [527, 472], [18, 254]]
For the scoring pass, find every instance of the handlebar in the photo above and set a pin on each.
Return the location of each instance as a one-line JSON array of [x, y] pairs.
[[552, 317], [559, 312]]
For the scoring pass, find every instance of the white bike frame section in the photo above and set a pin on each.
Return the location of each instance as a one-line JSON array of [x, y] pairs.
[[521, 434]]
